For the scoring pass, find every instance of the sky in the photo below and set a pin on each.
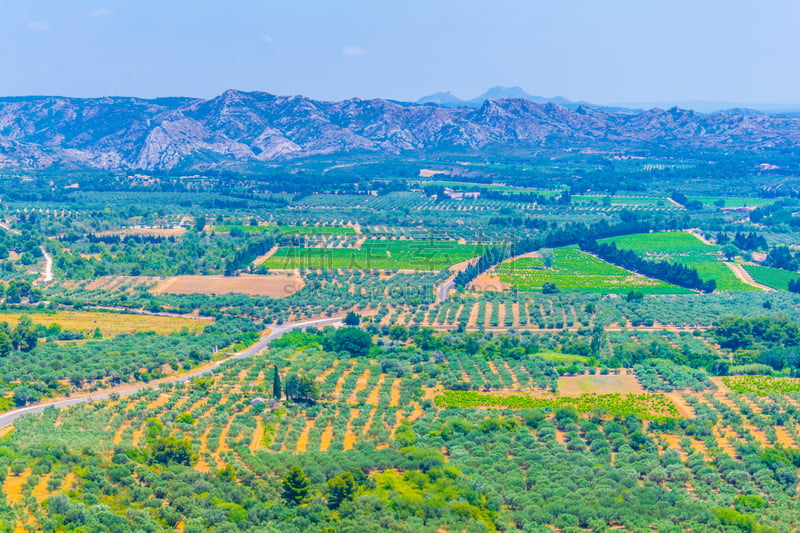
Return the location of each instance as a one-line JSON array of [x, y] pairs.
[[610, 51]]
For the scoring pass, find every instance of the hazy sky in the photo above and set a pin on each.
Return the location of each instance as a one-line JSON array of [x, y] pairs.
[[603, 51]]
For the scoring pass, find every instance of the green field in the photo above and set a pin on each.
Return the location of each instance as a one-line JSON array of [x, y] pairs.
[[384, 255], [729, 201], [771, 277], [246, 228], [573, 270], [664, 243], [558, 357], [683, 247], [317, 230], [623, 200]]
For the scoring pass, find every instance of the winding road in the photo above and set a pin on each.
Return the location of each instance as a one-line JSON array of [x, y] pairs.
[[9, 418], [47, 275], [443, 290]]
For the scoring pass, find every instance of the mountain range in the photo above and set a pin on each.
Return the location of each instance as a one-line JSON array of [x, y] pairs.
[[237, 129], [498, 92]]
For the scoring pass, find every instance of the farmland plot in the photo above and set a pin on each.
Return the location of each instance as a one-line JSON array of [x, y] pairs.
[[683, 247], [273, 285], [573, 270], [377, 254]]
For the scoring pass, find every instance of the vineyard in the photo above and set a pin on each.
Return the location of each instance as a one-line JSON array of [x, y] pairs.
[[686, 249], [762, 385], [771, 277], [613, 405], [573, 270], [377, 254]]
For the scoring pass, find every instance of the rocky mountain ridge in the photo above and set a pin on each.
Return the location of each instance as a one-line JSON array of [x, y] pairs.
[[240, 128]]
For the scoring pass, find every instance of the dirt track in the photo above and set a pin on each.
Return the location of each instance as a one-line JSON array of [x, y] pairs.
[[745, 277]]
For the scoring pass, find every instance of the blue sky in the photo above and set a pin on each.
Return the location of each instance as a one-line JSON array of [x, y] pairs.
[[600, 51]]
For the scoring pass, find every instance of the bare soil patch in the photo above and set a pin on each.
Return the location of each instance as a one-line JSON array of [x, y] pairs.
[[273, 285], [429, 173], [12, 487], [302, 440], [683, 408], [488, 281], [327, 437], [258, 436], [349, 436], [395, 393], [361, 384], [40, 491], [374, 394]]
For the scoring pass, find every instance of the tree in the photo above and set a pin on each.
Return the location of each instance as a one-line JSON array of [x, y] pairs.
[[778, 257], [548, 287], [5, 344], [23, 395], [730, 251], [794, 285], [309, 389], [340, 488], [302, 389], [634, 295], [25, 335], [166, 450], [277, 391], [12, 294], [296, 486], [548, 257], [354, 341], [399, 332], [352, 319]]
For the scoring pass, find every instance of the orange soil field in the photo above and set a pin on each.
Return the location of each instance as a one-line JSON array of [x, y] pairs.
[[273, 285], [488, 282]]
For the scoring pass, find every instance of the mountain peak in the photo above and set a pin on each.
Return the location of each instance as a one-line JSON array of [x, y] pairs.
[[498, 91], [443, 98]]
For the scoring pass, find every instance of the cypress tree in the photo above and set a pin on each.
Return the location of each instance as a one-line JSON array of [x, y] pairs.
[[277, 391]]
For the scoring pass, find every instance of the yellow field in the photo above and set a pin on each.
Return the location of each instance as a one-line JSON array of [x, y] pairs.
[[110, 323]]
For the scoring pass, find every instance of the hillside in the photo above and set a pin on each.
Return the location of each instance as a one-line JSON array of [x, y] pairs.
[[237, 129]]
